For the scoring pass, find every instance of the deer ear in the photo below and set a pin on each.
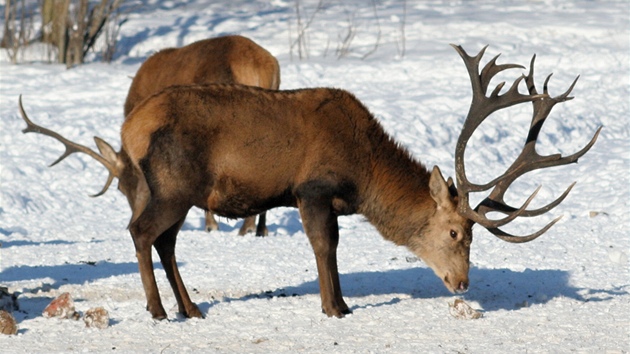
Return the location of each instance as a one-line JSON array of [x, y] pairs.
[[439, 189], [141, 198], [451, 187], [106, 150]]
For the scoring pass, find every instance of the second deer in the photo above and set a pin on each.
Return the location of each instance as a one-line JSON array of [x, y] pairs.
[[224, 60]]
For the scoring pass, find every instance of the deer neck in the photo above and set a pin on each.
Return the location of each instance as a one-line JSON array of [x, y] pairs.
[[397, 199]]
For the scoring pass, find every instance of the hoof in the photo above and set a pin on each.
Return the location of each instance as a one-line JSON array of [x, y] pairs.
[[159, 317], [157, 314], [337, 312], [211, 228], [262, 233], [245, 231], [193, 313]]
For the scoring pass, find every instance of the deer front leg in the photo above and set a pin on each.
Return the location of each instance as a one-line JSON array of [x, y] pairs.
[[320, 225], [165, 246]]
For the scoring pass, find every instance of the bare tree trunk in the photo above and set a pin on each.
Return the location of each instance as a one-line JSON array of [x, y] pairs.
[[60, 28], [70, 27], [111, 29], [17, 28], [9, 24], [99, 16], [54, 21], [47, 20], [76, 35]]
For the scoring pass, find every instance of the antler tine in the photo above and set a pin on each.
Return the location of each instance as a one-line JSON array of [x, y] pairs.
[[472, 65], [71, 147], [480, 108], [480, 82], [498, 204], [522, 239], [495, 201], [110, 179], [512, 213], [565, 96], [527, 161], [491, 69]]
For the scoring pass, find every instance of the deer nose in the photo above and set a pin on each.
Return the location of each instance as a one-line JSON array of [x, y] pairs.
[[462, 287]]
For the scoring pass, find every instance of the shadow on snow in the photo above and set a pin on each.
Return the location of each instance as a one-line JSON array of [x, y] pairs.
[[492, 289], [495, 289]]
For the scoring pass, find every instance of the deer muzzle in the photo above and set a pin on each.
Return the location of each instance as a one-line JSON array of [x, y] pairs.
[[456, 284]]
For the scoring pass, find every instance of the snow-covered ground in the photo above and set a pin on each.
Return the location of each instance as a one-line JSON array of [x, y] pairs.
[[568, 291]]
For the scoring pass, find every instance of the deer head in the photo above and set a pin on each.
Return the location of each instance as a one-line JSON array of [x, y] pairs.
[[454, 215]]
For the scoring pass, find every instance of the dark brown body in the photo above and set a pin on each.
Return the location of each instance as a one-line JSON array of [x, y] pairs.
[[228, 60], [318, 149], [320, 139]]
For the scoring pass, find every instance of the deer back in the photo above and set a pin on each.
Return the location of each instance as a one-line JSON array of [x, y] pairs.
[[230, 59]]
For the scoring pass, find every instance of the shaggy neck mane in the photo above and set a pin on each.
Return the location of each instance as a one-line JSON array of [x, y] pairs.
[[397, 200]]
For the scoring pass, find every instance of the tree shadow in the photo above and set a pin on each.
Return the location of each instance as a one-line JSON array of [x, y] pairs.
[[81, 273], [9, 244], [6, 231], [182, 27]]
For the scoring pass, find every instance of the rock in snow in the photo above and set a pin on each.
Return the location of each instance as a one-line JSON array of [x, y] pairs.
[[8, 325], [62, 306], [96, 317], [461, 310]]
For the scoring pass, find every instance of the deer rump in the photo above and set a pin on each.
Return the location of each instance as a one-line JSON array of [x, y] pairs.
[[187, 141]]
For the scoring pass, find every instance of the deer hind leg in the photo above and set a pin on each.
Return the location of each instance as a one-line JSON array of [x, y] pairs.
[[320, 225], [145, 231], [261, 229], [211, 223], [145, 266], [249, 225], [165, 246]]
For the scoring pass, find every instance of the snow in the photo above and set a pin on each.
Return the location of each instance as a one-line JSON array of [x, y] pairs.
[[568, 291]]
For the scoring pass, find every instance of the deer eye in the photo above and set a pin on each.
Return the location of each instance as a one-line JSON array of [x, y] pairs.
[[453, 234]]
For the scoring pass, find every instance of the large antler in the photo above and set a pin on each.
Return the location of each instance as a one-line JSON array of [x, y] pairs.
[[481, 107], [108, 159]]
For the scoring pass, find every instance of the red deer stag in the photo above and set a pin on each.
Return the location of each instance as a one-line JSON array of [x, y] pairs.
[[225, 60], [319, 150]]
